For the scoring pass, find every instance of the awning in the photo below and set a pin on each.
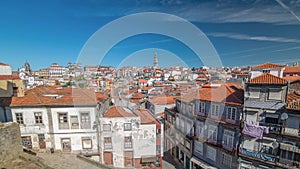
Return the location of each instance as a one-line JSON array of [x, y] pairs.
[[148, 159], [201, 163]]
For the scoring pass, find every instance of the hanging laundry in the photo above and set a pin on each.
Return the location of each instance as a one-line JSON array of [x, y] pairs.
[[253, 130]]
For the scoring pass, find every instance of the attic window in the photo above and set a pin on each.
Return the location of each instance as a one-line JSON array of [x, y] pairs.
[[266, 70]]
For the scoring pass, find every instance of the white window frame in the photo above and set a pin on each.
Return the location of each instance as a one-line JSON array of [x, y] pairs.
[[198, 147], [107, 145], [215, 110], [254, 92], [213, 132], [201, 107], [19, 118], [83, 140], [271, 93], [106, 127], [211, 153], [199, 126], [226, 160], [127, 127], [229, 113], [228, 138], [38, 117]]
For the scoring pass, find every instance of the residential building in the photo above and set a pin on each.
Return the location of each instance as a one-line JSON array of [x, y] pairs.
[[158, 104], [130, 139], [263, 121], [274, 69], [58, 118], [202, 131]]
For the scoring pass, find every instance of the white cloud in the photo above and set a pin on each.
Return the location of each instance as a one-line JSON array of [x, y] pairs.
[[255, 38]]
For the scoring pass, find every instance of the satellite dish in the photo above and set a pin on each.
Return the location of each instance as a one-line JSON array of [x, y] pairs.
[[275, 144], [284, 116]]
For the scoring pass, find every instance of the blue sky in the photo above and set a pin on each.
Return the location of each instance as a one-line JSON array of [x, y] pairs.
[[242, 32]]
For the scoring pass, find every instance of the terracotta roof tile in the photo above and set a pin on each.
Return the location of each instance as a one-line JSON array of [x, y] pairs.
[[3, 64], [267, 78], [146, 117], [9, 77], [51, 96], [118, 111], [291, 69], [293, 101], [291, 78], [162, 100], [267, 65], [229, 93]]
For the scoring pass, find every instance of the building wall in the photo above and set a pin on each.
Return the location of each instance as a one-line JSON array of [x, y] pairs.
[[30, 128], [5, 70], [6, 87], [75, 135], [143, 139], [10, 140]]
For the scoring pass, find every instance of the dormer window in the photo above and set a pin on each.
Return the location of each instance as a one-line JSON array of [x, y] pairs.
[[266, 70]]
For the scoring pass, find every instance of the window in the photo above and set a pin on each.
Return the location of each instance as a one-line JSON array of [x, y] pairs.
[[190, 109], [38, 117], [215, 110], [274, 94], [85, 117], [15, 91], [228, 138], [106, 127], [85, 120], [19, 118], [211, 153], [212, 133], [63, 118], [231, 113], [226, 160], [107, 143], [266, 70], [127, 126], [74, 122], [254, 92], [202, 107], [199, 128], [158, 149], [189, 129], [178, 106], [128, 142], [86, 143], [63, 121], [198, 148]]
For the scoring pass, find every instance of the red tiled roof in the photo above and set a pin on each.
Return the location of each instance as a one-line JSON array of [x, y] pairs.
[[291, 78], [118, 111], [146, 117], [162, 100], [146, 88], [41, 96], [267, 65], [9, 77], [137, 96], [230, 93], [291, 69], [267, 78], [293, 101], [143, 81], [3, 64]]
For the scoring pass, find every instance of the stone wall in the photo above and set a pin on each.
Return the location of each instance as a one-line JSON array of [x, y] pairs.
[[10, 141]]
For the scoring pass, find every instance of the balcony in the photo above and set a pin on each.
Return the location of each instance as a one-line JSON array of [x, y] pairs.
[[287, 163], [273, 128], [258, 155], [291, 132]]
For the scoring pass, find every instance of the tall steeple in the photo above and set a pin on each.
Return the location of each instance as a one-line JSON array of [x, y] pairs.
[[155, 60]]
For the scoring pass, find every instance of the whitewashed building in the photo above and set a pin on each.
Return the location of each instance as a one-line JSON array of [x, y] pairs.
[[58, 118], [130, 139]]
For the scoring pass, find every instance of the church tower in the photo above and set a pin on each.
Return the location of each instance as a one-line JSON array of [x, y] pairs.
[[155, 60]]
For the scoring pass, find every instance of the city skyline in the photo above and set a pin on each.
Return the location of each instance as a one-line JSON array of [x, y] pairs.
[[243, 33]]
